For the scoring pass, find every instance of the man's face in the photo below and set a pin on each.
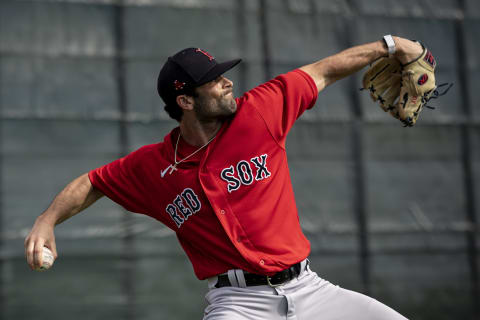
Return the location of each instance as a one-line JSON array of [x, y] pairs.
[[215, 100]]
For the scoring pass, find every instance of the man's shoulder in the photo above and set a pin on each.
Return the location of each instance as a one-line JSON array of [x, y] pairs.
[[149, 149]]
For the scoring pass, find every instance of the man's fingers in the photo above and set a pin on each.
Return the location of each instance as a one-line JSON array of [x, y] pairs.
[[38, 254], [29, 246]]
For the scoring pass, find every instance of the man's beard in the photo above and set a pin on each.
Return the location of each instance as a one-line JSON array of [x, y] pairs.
[[226, 109]]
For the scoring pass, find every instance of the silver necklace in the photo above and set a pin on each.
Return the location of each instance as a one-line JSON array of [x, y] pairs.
[[176, 163]]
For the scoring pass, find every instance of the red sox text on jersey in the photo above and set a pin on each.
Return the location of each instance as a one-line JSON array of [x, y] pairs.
[[187, 203]]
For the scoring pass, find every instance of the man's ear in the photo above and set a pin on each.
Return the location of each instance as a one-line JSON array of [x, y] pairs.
[[185, 102]]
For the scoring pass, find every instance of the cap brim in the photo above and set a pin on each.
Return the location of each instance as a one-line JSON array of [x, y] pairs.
[[218, 70]]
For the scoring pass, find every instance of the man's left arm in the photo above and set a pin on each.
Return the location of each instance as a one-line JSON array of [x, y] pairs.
[[338, 66]]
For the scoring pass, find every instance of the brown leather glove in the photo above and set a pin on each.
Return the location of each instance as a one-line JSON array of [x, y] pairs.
[[403, 90]]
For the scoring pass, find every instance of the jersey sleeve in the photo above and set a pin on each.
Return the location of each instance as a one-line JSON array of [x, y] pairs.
[[121, 181], [282, 101]]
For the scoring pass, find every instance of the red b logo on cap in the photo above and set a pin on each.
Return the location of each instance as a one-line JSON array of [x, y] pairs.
[[205, 53], [178, 85]]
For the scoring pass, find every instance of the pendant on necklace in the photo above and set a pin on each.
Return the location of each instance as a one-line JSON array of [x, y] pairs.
[[173, 168]]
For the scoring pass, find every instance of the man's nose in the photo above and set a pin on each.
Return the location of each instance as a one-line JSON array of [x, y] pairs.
[[227, 82]]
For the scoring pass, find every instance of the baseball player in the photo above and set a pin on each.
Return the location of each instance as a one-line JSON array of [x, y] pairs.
[[220, 180]]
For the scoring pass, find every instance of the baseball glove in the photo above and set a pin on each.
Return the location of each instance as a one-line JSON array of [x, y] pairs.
[[403, 90], [384, 80]]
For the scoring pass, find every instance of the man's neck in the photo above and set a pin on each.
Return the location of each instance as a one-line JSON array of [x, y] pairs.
[[198, 133]]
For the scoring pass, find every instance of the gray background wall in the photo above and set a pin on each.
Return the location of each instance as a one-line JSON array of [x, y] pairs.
[[390, 211]]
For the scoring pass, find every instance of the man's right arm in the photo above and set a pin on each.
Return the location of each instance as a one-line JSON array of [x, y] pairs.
[[77, 196]]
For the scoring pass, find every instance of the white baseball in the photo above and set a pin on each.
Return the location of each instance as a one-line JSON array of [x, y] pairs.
[[47, 259]]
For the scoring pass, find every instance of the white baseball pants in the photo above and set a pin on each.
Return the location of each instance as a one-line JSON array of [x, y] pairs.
[[307, 297]]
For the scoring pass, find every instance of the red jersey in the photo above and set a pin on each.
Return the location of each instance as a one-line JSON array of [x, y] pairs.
[[232, 204]]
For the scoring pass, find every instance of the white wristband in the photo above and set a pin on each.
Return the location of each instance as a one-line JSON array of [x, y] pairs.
[[390, 44]]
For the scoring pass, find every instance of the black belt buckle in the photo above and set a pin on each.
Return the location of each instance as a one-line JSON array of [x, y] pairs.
[[286, 275], [270, 284]]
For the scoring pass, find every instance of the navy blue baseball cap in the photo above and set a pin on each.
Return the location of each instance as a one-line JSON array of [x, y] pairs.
[[188, 69]]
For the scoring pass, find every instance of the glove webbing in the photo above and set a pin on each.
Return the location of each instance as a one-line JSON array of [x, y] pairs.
[[426, 98]]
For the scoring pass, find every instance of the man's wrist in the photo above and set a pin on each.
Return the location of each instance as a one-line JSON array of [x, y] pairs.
[[47, 219], [389, 44]]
